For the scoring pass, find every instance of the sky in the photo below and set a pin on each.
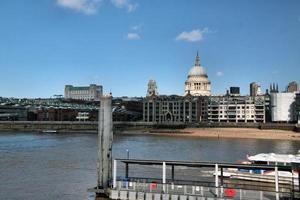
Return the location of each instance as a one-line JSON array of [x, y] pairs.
[[122, 44]]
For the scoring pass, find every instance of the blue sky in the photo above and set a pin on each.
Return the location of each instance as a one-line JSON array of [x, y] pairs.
[[121, 44]]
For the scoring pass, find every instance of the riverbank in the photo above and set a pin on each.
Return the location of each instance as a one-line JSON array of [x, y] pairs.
[[65, 126], [216, 130], [249, 133]]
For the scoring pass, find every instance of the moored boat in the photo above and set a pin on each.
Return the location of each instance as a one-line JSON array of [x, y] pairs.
[[274, 159], [285, 177], [49, 131]]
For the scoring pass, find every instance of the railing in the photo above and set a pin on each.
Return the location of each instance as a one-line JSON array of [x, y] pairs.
[[286, 186], [198, 191], [204, 179]]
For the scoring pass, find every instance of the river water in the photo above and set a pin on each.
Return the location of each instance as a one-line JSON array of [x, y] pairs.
[[62, 166]]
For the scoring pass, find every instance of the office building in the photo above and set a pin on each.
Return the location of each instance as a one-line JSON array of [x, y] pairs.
[[283, 107], [236, 109], [87, 93], [172, 109]]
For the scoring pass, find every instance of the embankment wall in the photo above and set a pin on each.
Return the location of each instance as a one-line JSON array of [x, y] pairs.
[[92, 127]]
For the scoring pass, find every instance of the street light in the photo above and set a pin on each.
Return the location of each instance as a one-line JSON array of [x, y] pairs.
[[127, 151]]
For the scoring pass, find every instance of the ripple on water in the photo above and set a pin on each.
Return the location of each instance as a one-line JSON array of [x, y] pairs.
[[63, 166]]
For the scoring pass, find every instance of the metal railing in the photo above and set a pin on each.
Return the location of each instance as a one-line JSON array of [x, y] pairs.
[[201, 191], [203, 178]]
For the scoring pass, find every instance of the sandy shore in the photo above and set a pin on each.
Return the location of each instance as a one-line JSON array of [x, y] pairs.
[[224, 133]]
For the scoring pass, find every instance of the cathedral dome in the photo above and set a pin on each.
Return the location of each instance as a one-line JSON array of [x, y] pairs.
[[197, 71], [197, 83]]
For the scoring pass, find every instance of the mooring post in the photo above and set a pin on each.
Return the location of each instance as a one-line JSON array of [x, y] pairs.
[[100, 147], [164, 176], [105, 137], [115, 174]]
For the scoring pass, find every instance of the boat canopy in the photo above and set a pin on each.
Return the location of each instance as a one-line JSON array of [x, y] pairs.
[[276, 158]]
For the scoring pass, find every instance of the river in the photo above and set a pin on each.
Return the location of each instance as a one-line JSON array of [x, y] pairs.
[[62, 166]]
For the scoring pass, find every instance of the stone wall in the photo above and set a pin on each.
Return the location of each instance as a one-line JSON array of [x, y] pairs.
[[92, 127], [64, 126]]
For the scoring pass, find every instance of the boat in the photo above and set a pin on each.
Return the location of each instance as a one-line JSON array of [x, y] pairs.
[[285, 177], [274, 159], [49, 131]]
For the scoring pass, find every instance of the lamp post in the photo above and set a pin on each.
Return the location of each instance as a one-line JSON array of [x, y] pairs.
[[127, 153], [126, 166]]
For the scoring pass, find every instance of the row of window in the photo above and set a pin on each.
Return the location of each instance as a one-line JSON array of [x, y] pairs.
[[174, 118], [80, 92], [233, 117], [81, 97]]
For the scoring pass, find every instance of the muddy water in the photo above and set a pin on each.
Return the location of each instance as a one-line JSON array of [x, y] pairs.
[[62, 166]]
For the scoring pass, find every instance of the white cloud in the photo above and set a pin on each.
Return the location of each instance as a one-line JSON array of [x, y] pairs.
[[88, 7], [192, 36], [219, 73], [133, 36], [125, 4]]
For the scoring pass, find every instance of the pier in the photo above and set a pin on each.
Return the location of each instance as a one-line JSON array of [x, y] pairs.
[[131, 179], [193, 183]]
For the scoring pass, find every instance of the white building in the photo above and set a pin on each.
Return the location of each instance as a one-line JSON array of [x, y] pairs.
[[197, 83], [88, 93], [283, 107], [236, 109]]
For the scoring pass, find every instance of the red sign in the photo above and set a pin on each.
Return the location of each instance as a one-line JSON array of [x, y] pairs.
[[230, 192], [153, 186]]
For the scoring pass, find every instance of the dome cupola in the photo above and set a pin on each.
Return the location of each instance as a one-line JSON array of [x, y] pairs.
[[197, 69], [197, 83]]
